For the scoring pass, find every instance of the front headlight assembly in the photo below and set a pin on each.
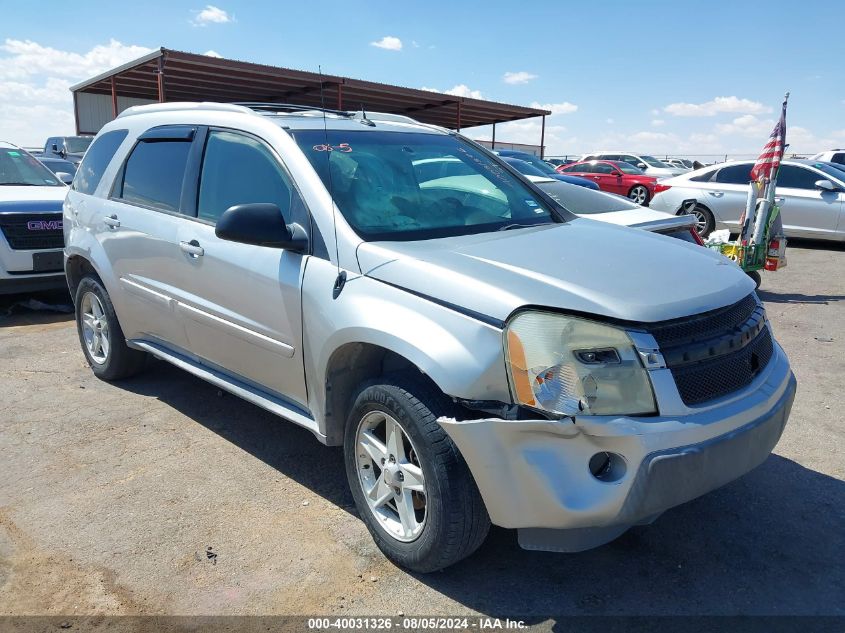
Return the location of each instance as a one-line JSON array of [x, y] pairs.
[[572, 366]]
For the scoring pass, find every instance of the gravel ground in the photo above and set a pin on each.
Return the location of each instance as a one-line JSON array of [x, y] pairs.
[[161, 495]]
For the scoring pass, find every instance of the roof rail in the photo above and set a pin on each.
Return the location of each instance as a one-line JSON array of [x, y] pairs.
[[261, 106], [382, 116], [175, 106]]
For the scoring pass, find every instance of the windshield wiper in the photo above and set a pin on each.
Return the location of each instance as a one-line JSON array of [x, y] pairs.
[[17, 184], [508, 227]]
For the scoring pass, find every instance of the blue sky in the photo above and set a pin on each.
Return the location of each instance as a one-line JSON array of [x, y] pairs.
[[663, 77]]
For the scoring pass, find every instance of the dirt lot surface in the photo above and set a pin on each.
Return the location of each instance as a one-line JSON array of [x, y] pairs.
[[162, 495]]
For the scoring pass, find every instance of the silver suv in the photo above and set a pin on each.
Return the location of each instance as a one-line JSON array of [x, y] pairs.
[[481, 354]]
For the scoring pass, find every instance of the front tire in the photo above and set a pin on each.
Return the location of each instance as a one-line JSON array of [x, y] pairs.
[[639, 195], [100, 334], [410, 483]]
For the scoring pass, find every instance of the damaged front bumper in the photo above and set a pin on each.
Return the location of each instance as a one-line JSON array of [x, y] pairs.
[[535, 475]]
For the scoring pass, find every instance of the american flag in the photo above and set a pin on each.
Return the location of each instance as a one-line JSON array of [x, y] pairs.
[[769, 160]]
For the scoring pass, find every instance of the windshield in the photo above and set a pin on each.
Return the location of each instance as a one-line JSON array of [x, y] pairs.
[[831, 169], [21, 168], [541, 165], [78, 144], [524, 168], [651, 160], [406, 186], [627, 168], [583, 201]]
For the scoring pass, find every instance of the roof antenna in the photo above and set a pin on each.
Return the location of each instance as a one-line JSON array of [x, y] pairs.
[[340, 281], [364, 119]]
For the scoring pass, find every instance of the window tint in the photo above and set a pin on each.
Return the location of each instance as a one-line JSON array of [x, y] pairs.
[[602, 168], [97, 158], [627, 158], [154, 173], [734, 174], [238, 169], [580, 168], [705, 177], [838, 158], [797, 177]]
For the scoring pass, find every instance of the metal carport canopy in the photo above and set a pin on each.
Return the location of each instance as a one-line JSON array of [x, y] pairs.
[[168, 75]]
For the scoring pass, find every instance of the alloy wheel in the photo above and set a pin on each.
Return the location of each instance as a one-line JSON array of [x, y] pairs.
[[639, 194], [391, 476], [95, 328]]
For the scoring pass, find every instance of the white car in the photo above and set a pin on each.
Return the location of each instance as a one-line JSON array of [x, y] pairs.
[[649, 164], [613, 209], [831, 156], [811, 196], [31, 239]]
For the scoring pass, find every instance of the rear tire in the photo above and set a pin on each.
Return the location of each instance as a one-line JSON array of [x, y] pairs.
[[704, 220], [444, 516], [100, 334]]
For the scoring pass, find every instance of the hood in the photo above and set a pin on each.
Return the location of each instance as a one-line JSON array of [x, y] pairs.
[[12, 194], [583, 265]]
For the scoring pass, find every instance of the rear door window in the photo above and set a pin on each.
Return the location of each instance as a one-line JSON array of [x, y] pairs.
[[838, 158], [154, 174], [96, 160], [602, 168], [734, 174]]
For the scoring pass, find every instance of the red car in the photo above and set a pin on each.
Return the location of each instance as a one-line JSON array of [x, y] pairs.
[[616, 177]]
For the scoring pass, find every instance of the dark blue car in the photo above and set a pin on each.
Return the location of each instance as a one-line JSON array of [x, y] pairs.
[[534, 168]]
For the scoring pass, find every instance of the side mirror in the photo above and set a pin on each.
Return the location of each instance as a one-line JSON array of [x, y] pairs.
[[642, 165], [64, 177], [55, 147], [826, 185], [260, 224], [616, 173]]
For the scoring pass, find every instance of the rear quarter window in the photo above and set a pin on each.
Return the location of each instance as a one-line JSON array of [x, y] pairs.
[[96, 160]]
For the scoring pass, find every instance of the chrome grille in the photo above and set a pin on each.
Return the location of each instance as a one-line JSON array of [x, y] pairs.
[[20, 231]]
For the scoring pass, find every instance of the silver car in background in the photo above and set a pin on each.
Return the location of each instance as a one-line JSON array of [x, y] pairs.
[[811, 196], [481, 354]]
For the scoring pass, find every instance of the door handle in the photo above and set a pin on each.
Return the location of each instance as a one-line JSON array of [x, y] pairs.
[[111, 221], [717, 194], [192, 248], [779, 200]]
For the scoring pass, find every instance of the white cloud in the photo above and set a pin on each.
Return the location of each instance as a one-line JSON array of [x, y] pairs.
[[556, 108], [461, 90], [747, 125], [212, 15], [415, 44], [521, 77], [389, 43], [657, 122], [213, 54], [35, 100], [717, 106], [27, 58]]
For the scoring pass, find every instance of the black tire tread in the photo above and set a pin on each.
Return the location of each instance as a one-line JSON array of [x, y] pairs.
[[123, 361], [468, 525]]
